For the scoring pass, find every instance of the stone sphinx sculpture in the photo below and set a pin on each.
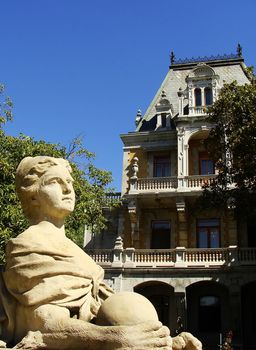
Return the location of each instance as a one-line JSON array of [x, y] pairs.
[[51, 289]]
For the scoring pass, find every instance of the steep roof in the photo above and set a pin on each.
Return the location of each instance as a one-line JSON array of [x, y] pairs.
[[227, 67]]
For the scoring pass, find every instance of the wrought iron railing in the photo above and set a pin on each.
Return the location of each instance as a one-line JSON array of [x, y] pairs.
[[206, 58]]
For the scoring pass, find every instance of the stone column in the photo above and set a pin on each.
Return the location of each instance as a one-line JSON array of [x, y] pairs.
[[134, 220], [182, 222], [181, 101], [180, 157], [186, 160], [181, 308], [191, 101], [202, 97]]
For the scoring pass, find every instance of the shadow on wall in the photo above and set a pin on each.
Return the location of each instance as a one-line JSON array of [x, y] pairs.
[[161, 296], [208, 311], [103, 240]]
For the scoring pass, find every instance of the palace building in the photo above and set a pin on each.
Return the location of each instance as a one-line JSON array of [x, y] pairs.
[[198, 266]]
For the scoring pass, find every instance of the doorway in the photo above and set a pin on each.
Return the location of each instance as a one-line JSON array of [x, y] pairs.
[[161, 296]]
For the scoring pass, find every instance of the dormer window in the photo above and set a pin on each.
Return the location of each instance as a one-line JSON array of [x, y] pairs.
[[198, 97], [208, 96], [201, 89]]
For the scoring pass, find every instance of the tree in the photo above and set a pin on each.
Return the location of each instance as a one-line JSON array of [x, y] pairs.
[[91, 183], [5, 106], [232, 146]]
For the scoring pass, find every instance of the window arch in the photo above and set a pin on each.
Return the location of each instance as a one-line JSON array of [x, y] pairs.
[[198, 97], [208, 96]]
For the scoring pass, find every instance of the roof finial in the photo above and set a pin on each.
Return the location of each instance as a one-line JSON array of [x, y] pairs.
[[239, 50], [172, 57], [138, 117]]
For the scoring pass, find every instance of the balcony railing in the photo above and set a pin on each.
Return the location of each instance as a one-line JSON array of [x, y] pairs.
[[207, 256], [198, 181], [247, 255], [157, 183], [102, 257], [149, 256], [179, 257], [198, 110], [170, 184]]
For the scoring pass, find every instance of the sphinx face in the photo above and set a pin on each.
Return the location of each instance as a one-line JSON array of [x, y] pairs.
[[56, 196]]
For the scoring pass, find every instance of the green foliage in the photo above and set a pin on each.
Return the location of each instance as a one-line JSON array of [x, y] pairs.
[[232, 145], [5, 106], [91, 185]]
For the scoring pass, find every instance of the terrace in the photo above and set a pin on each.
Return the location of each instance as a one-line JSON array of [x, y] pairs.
[[179, 257], [170, 184]]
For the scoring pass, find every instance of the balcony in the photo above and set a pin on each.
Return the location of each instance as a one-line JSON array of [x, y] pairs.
[[179, 257], [170, 184], [157, 183], [198, 110]]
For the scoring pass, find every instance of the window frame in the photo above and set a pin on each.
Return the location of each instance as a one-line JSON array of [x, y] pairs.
[[208, 228], [164, 168], [204, 156], [155, 231], [198, 94], [206, 89]]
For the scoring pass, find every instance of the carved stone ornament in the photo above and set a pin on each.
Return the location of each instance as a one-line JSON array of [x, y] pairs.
[[138, 117], [164, 104], [135, 168], [51, 290]]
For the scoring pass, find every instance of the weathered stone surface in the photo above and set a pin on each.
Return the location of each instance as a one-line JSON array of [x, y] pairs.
[[125, 308], [186, 341], [52, 290]]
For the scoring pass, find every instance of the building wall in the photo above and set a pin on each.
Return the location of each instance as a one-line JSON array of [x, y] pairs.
[[182, 140], [186, 288]]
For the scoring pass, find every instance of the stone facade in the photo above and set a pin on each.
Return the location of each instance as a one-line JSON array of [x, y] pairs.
[[199, 266]]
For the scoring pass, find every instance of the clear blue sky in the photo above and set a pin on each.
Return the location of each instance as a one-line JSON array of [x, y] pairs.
[[84, 67]]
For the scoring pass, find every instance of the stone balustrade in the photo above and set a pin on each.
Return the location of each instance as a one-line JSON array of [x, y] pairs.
[[198, 181], [247, 255], [101, 256], [168, 184], [157, 183], [198, 110], [114, 196], [178, 258], [194, 257], [150, 256]]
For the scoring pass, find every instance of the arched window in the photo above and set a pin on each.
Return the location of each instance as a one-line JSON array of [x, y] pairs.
[[198, 97], [208, 96]]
